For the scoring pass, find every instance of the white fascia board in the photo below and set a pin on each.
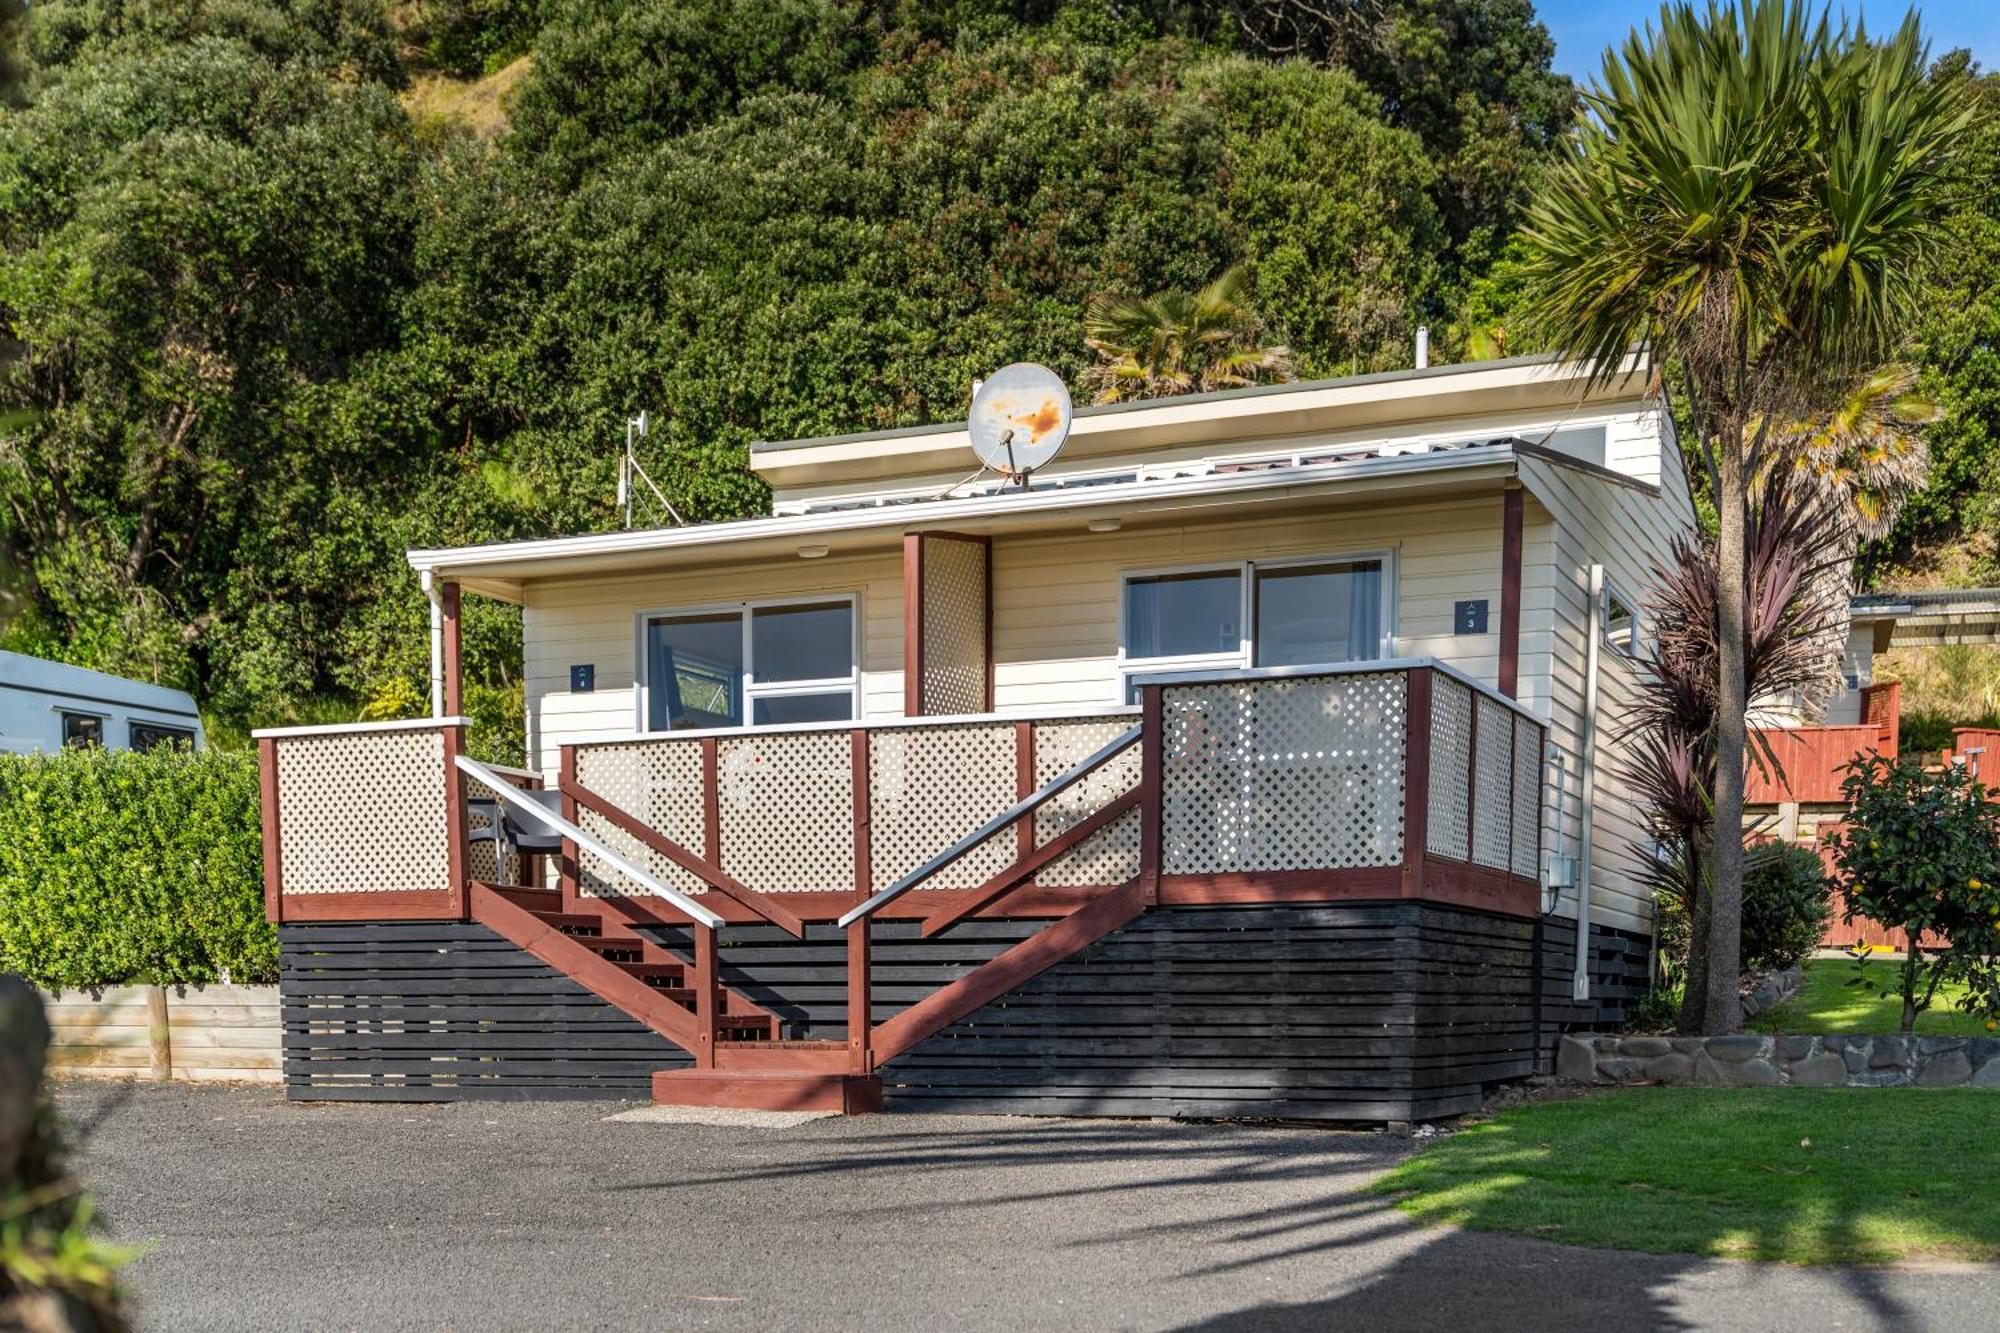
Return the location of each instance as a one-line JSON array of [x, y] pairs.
[[470, 560]]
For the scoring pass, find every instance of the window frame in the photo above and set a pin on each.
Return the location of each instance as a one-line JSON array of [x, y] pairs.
[[1245, 656], [173, 733], [744, 610], [1632, 648], [103, 720]]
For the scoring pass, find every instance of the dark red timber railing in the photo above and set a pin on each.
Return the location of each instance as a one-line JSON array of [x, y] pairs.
[[1370, 782]]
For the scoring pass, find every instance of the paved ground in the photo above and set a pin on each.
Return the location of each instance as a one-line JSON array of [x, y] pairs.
[[265, 1215]]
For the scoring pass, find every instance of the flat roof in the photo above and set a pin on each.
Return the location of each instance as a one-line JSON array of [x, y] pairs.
[[1181, 400], [491, 568]]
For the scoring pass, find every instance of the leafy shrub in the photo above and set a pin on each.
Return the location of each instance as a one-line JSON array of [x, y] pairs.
[[117, 866], [1787, 902], [1921, 854], [1786, 905]]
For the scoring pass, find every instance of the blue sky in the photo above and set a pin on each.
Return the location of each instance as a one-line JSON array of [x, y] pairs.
[[1583, 28]]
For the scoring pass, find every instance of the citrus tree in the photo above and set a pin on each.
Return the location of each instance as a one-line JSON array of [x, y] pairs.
[[1921, 854]]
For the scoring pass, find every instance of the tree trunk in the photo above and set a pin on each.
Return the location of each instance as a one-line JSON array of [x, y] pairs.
[[1694, 984], [1722, 1008], [1910, 956]]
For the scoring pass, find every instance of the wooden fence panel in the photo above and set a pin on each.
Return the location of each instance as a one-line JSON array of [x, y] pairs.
[[198, 1033]]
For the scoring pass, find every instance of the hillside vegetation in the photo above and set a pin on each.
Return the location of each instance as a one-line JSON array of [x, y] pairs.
[[291, 287]]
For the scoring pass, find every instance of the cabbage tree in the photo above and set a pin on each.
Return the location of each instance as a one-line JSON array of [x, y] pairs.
[[1751, 196]]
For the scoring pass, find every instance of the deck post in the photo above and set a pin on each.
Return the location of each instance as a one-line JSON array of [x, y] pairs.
[[860, 959], [1152, 786], [1024, 784], [1510, 591], [274, 869], [568, 876], [454, 670], [1416, 780], [454, 826], [913, 624], [707, 995]]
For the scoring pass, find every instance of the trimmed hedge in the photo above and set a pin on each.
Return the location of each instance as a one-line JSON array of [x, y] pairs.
[[118, 867]]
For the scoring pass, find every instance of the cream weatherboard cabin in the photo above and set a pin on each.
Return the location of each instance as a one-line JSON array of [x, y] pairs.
[[1258, 756]]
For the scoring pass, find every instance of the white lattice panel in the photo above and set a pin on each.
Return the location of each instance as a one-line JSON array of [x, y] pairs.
[[1528, 745], [657, 783], [930, 786], [1301, 774], [362, 812], [1449, 831], [954, 628], [1112, 855], [1492, 783], [787, 808]]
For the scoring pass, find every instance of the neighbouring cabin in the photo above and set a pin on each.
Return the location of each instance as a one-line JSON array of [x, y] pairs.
[[1256, 757], [50, 706], [1794, 790]]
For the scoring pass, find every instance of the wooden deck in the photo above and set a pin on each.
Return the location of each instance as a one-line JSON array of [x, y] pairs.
[[891, 903]]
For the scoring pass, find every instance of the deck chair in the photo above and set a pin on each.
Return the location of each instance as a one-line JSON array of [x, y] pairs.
[[513, 831]]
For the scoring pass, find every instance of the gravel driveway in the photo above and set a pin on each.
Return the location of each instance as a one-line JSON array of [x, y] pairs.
[[266, 1215]]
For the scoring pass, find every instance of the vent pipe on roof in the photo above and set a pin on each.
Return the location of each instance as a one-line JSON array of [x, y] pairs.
[[1423, 346]]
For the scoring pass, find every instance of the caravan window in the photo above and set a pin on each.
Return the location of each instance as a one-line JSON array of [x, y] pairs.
[[82, 731], [777, 664], [146, 735]]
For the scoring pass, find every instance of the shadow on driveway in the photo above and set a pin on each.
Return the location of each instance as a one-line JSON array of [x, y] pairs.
[[265, 1214]]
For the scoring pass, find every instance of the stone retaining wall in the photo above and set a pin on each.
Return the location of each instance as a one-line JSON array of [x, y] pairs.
[[1751, 1061]]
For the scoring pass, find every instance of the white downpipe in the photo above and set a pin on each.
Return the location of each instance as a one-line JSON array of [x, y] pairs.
[[437, 644], [1587, 778]]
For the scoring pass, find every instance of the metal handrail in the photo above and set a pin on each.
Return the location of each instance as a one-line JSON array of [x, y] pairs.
[[1026, 805], [549, 819]]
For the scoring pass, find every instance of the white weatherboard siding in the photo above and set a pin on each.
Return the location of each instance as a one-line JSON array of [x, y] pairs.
[[1056, 598], [1055, 611], [567, 622], [1574, 520]]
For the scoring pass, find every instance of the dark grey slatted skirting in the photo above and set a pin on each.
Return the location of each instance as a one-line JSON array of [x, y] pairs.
[[425, 1011], [804, 982], [1618, 966], [1365, 1012]]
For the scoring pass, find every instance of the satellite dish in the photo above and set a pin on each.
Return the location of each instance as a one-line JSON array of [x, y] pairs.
[[1019, 418]]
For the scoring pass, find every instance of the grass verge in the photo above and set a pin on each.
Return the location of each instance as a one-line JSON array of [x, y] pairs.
[[1790, 1175], [1826, 1003]]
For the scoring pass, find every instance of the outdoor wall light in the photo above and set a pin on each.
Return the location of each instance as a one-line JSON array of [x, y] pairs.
[[813, 552], [1106, 524]]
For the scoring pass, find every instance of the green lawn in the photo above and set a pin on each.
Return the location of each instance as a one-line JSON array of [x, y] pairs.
[[1829, 1004], [1787, 1174]]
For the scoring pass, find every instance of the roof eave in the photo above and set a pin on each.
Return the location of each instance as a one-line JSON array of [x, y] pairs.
[[498, 567]]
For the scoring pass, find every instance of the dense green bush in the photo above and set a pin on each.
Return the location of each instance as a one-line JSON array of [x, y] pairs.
[[1786, 905], [117, 866], [1787, 901]]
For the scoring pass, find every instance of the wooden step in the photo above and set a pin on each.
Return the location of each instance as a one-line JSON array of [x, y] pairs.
[[601, 945], [830, 1057], [675, 972], [569, 921], [764, 1023], [758, 1090]]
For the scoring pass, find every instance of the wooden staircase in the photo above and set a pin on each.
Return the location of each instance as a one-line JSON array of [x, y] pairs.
[[750, 1067]]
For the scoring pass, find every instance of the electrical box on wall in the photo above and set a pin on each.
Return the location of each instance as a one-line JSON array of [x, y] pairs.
[[1469, 617], [583, 679]]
